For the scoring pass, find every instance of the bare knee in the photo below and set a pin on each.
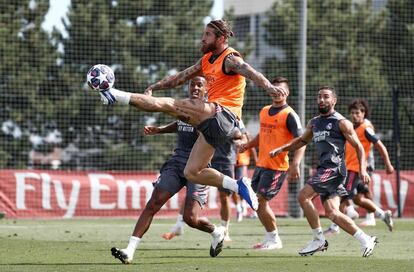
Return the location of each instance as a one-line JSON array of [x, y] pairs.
[[190, 219], [263, 203], [332, 214], [190, 173], [302, 198], [358, 199], [154, 205]]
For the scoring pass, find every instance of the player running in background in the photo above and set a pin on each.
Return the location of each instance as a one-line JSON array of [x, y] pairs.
[[279, 124], [171, 181], [357, 190], [329, 131]]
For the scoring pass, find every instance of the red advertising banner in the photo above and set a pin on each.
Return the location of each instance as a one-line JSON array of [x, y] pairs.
[[61, 194]]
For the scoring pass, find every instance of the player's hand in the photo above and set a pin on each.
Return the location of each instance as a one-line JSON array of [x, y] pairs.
[[107, 97], [149, 130], [275, 152], [148, 91], [293, 173], [242, 147], [363, 175], [279, 91]]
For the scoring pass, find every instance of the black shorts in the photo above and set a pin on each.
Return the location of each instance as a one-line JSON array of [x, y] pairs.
[[267, 182], [220, 128], [354, 185], [172, 180], [225, 169], [328, 182]]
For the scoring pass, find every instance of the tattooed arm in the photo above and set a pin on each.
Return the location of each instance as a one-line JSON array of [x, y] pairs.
[[177, 79], [236, 64]]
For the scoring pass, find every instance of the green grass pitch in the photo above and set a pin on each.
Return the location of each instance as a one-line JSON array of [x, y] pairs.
[[84, 245]]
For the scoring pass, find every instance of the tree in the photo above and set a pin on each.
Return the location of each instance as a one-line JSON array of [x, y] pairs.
[[397, 54], [345, 49], [27, 61], [143, 41]]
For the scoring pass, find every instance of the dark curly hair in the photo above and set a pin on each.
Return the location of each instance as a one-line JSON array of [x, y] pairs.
[[222, 28], [359, 104]]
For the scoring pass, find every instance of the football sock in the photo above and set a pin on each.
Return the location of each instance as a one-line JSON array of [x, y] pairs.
[[239, 207], [380, 213], [215, 231], [361, 236], [132, 245], [226, 224], [271, 235], [318, 234], [370, 216], [180, 220], [178, 224], [231, 184], [121, 96], [334, 226]]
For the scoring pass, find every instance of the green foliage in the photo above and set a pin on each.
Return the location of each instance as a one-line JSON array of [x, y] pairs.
[[361, 52], [142, 40]]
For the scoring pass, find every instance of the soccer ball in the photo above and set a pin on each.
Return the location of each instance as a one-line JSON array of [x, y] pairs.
[[100, 77]]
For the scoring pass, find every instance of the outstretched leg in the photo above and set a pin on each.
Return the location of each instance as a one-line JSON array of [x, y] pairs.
[[191, 111]]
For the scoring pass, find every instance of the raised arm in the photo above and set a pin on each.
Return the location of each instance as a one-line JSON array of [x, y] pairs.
[[349, 133], [296, 143], [236, 64], [177, 79]]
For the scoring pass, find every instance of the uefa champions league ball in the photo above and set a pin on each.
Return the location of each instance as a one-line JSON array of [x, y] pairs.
[[100, 77]]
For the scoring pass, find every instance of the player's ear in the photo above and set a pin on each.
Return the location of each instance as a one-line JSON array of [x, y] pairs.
[[222, 39]]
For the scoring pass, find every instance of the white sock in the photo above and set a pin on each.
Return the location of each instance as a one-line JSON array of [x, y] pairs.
[[121, 96], [370, 216], [231, 184], [380, 213], [225, 224], [271, 235], [178, 224], [180, 220], [239, 207], [132, 245], [244, 207], [318, 234], [361, 236], [334, 226], [351, 208], [215, 231]]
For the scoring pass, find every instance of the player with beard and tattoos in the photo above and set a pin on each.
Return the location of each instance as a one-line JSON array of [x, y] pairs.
[[329, 131], [217, 120]]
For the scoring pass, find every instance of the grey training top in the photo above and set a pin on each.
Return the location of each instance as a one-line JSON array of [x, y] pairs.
[[187, 136], [329, 141]]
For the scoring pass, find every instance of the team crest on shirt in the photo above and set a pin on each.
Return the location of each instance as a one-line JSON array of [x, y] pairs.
[[329, 126]]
